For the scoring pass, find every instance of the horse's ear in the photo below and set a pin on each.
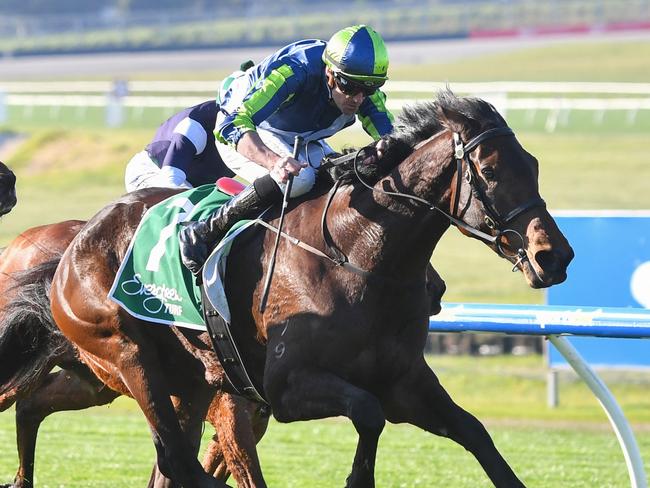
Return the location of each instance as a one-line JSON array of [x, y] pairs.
[[453, 120]]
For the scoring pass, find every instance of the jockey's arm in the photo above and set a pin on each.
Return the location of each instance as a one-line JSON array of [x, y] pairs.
[[252, 147], [177, 158], [239, 128], [375, 118]]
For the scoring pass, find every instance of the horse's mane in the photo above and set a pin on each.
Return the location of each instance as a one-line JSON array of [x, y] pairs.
[[420, 121]]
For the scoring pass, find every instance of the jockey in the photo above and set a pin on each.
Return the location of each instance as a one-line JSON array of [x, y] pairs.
[[309, 88], [182, 154]]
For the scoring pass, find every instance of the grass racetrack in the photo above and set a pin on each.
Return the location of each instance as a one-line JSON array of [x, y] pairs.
[[571, 446], [69, 168]]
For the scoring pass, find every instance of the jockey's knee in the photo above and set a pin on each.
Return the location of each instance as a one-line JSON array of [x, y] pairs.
[[303, 182]]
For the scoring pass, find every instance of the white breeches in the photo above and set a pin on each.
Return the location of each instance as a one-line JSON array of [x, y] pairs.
[[142, 172]]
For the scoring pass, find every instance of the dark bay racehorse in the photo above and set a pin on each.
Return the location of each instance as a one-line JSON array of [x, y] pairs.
[[7, 189], [31, 346], [331, 341]]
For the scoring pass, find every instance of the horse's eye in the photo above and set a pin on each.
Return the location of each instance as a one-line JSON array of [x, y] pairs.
[[488, 173]]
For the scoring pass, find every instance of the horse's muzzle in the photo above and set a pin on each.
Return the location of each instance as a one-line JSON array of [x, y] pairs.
[[7, 199], [548, 267]]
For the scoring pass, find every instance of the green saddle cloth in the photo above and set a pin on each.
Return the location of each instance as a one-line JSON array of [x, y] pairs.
[[152, 284]]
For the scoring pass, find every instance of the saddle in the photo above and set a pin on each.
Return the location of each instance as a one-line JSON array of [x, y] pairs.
[[230, 186]]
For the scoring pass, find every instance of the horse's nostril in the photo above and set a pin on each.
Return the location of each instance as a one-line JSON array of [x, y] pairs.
[[552, 261], [547, 260]]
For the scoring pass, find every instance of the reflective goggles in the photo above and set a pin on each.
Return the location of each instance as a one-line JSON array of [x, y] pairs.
[[351, 87]]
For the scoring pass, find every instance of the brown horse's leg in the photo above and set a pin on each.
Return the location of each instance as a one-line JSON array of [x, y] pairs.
[[420, 399], [176, 438], [214, 461], [306, 394], [60, 391], [239, 424], [190, 410]]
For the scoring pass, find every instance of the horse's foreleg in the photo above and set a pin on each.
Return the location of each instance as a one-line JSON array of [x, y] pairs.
[[239, 425], [306, 394], [60, 391], [176, 453], [420, 399], [190, 408]]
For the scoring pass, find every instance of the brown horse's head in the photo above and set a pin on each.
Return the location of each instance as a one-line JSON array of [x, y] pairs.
[[493, 191], [498, 192], [7, 189]]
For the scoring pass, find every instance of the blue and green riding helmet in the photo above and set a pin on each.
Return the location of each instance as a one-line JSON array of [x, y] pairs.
[[358, 55]]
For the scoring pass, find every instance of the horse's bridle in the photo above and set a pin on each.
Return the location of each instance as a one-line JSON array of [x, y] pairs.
[[493, 219]]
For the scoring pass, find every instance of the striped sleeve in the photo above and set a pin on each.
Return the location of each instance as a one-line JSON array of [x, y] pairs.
[[375, 118], [263, 100]]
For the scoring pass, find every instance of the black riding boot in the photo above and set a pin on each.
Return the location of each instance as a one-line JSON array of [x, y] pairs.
[[198, 238]]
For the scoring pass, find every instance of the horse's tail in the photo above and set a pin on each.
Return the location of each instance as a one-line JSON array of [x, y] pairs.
[[30, 342]]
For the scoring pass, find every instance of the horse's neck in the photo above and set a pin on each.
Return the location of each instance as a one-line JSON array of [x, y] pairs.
[[426, 173], [396, 234]]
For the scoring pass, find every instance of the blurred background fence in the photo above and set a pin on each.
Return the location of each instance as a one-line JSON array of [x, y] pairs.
[[548, 105]]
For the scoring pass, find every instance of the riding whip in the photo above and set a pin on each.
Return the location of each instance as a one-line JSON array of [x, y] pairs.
[[285, 202]]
